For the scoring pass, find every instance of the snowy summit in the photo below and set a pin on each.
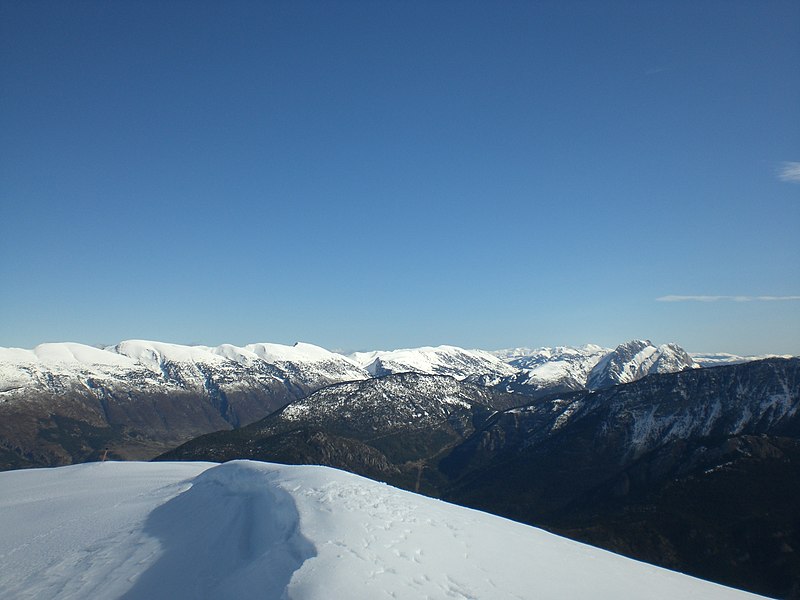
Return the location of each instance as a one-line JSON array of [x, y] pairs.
[[256, 530]]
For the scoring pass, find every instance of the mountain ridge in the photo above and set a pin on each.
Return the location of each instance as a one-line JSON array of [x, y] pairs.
[[62, 403]]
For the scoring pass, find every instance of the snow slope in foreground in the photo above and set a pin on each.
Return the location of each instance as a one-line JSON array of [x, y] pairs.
[[256, 530]]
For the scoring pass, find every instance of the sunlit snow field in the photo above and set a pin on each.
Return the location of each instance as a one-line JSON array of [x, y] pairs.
[[255, 530]]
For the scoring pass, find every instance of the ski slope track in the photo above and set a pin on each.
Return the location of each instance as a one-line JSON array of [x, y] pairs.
[[246, 529]]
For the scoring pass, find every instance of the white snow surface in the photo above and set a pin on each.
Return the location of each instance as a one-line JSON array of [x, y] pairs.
[[153, 354], [255, 530], [64, 353], [149, 363], [439, 360]]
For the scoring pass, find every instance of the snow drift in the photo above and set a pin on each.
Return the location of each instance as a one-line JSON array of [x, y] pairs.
[[255, 530]]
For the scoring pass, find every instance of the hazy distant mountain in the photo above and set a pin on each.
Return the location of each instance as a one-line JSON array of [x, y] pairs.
[[716, 359]]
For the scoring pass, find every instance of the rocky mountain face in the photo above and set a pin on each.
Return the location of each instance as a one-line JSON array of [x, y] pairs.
[[64, 403], [618, 426], [386, 428], [635, 360], [696, 470]]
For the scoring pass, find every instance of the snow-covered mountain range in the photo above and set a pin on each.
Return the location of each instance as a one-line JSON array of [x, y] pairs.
[[68, 402], [256, 530], [159, 363], [143, 364], [62, 403]]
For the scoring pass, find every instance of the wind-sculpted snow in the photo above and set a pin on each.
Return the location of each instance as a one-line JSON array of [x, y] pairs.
[[245, 530], [236, 514]]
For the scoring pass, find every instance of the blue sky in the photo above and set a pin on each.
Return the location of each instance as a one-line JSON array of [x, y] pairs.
[[390, 174]]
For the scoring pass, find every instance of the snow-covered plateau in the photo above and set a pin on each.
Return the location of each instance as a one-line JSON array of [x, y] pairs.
[[245, 530]]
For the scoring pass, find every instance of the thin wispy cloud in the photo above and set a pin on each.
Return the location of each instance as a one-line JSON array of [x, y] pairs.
[[789, 171], [726, 298]]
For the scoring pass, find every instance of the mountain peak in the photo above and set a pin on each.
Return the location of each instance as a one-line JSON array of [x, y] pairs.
[[636, 359]]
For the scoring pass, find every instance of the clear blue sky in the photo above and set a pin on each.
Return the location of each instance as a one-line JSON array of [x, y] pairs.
[[389, 174]]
